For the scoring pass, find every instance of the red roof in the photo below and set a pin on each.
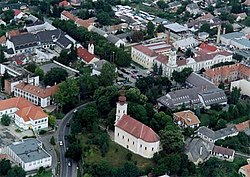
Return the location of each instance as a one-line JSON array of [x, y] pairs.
[[145, 50], [2, 39], [207, 47], [85, 55], [69, 15], [162, 59], [85, 23], [64, 4], [17, 12], [137, 129]]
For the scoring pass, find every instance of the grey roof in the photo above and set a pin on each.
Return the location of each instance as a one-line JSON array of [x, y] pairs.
[[219, 134], [243, 41], [98, 64], [124, 35], [213, 96], [233, 35], [193, 6], [49, 36], [113, 39], [98, 31], [24, 40], [29, 150], [245, 53], [63, 41], [195, 80], [197, 149]]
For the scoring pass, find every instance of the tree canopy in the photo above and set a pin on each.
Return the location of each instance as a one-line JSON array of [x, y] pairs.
[[55, 76], [181, 76], [108, 74], [5, 120]]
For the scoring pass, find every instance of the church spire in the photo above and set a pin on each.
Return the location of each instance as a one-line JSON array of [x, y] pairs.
[[121, 105]]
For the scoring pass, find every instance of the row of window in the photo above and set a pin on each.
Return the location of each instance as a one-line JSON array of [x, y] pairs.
[[38, 162], [40, 121]]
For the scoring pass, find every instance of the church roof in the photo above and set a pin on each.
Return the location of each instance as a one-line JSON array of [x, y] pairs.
[[137, 129]]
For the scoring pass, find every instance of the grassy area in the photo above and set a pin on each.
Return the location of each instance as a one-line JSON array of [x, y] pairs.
[[44, 174], [116, 155]]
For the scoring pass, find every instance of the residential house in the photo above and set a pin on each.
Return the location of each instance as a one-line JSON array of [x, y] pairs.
[[4, 6], [24, 113], [173, 6], [211, 136], [132, 134], [64, 3], [245, 171], [29, 154], [2, 41], [244, 127], [228, 73], [223, 153], [186, 119], [115, 40], [203, 36], [193, 9], [18, 15], [240, 16], [35, 94]]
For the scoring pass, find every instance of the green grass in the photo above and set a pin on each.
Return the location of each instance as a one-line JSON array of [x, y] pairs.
[[44, 174], [116, 155]]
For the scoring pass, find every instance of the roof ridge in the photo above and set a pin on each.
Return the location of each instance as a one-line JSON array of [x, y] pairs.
[[141, 130]]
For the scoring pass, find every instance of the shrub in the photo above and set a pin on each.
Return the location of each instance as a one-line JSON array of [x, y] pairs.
[[42, 132]]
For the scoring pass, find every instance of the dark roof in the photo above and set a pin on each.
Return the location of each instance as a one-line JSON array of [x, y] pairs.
[[49, 36], [213, 96], [24, 39], [124, 35], [113, 39], [63, 41], [37, 22], [195, 80], [12, 5], [207, 132], [10, 51]]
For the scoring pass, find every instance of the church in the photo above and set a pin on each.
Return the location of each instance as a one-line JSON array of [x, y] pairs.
[[132, 134]]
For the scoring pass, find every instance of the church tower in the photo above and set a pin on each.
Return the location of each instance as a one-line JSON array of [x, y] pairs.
[[172, 59], [121, 105], [91, 47]]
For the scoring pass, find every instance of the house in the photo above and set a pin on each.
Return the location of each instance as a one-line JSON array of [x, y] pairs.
[[245, 171], [240, 16], [35, 94], [18, 14], [193, 9], [244, 127], [186, 119], [198, 151], [29, 154], [211, 136], [223, 153], [201, 93], [64, 3], [87, 56], [115, 40], [65, 15], [7, 6], [203, 35], [75, 2], [19, 59], [228, 74], [185, 43], [132, 134], [24, 113]]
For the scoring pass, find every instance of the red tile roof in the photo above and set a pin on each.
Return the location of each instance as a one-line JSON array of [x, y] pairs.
[[162, 59], [222, 150], [38, 91], [145, 50], [203, 55], [243, 125], [69, 15], [137, 129], [85, 55], [85, 23], [27, 110], [208, 48], [2, 39], [246, 170], [188, 117], [17, 12], [64, 4]]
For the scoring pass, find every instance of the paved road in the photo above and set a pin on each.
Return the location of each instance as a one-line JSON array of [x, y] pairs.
[[65, 170]]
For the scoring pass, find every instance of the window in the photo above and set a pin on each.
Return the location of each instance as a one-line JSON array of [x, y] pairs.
[[152, 149], [30, 164], [141, 146], [133, 142], [122, 137], [145, 148], [117, 134], [128, 139]]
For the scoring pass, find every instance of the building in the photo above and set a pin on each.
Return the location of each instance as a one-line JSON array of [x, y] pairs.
[[87, 56], [185, 43], [29, 154], [228, 74], [245, 170], [97, 67], [186, 119], [37, 95], [132, 134], [243, 85], [223, 153], [24, 113], [211, 136], [236, 40], [193, 9], [115, 40], [200, 93]]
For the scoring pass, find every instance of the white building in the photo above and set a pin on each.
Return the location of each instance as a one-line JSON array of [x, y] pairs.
[[185, 43], [35, 94], [29, 154], [243, 85], [235, 39], [24, 113], [132, 134]]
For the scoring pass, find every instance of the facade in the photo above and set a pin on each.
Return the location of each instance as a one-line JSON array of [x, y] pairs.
[[132, 134], [24, 113], [29, 154], [186, 119], [227, 74], [35, 94], [236, 40]]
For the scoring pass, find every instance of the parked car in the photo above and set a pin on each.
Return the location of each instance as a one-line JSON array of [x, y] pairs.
[[60, 143], [69, 163]]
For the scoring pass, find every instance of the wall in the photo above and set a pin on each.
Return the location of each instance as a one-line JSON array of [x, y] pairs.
[[243, 84]]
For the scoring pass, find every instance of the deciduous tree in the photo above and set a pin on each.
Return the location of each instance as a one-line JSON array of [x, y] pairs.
[[55, 76], [108, 74], [5, 120]]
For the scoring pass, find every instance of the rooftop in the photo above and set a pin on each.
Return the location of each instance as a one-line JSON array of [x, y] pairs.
[[176, 27], [222, 150], [188, 117], [85, 55], [29, 150], [246, 170], [233, 35]]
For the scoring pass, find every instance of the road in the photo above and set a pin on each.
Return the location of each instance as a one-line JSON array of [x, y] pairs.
[[62, 131]]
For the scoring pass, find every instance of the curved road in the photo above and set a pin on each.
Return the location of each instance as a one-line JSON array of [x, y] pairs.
[[65, 170]]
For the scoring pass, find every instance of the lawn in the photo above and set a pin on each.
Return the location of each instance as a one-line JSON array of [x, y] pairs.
[[116, 155]]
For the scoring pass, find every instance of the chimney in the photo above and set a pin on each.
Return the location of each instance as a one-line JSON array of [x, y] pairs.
[[224, 30], [200, 150], [218, 34]]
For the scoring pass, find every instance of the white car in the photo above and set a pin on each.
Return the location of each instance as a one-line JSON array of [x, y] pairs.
[[60, 143], [75, 111]]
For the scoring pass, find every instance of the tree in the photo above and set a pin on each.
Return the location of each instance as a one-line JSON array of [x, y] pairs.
[[67, 94], [122, 59], [31, 67], [5, 120], [39, 72], [55, 76], [155, 68], [181, 76], [103, 18], [2, 56], [5, 166], [160, 71], [189, 53], [171, 139], [74, 151], [52, 141], [160, 121], [108, 74], [134, 95], [137, 36], [160, 28], [138, 112], [52, 121], [235, 95], [88, 84], [8, 15], [161, 4], [150, 29], [221, 124], [205, 28], [128, 170], [16, 172], [247, 21]]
